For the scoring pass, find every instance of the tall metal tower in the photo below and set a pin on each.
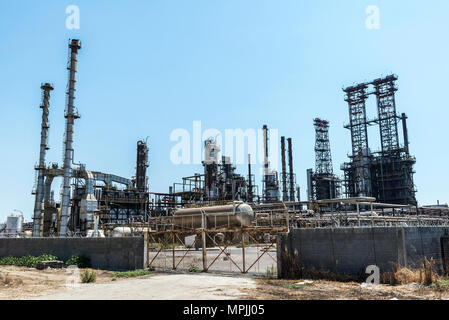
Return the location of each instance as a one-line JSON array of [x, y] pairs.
[[323, 158], [386, 175], [70, 115], [41, 167], [357, 172], [292, 181], [386, 109], [250, 197], [270, 177], [284, 171], [356, 97], [322, 183], [141, 167]]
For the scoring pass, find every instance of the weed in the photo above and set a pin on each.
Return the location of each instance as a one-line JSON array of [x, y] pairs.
[[193, 268], [88, 277], [131, 273]]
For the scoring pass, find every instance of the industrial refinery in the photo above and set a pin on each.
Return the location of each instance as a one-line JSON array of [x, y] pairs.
[[373, 184], [223, 150]]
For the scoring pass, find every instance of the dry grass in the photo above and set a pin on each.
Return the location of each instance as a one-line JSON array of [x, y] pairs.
[[425, 275]]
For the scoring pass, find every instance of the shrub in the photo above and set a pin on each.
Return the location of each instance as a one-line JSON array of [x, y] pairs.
[[193, 268], [88, 277], [79, 261], [26, 261]]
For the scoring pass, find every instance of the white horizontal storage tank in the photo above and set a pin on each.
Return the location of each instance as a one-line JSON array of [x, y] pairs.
[[118, 232], [14, 224]]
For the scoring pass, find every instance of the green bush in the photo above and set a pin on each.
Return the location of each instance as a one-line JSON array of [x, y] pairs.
[[131, 273], [193, 268], [88, 277], [26, 261], [79, 261]]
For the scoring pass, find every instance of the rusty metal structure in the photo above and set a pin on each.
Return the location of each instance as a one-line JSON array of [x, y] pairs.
[[387, 174]]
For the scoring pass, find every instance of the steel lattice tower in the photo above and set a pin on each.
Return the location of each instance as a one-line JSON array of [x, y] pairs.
[[386, 109], [323, 158], [322, 184], [356, 97]]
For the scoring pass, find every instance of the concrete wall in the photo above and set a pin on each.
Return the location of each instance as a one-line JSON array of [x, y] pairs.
[[424, 242], [350, 250], [105, 253]]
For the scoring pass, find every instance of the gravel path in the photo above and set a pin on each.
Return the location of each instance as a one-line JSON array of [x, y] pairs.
[[165, 287]]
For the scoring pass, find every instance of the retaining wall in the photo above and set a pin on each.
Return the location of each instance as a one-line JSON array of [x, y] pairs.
[[350, 250], [126, 253]]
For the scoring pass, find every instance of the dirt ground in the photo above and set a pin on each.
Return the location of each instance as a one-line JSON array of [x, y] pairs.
[[329, 290], [21, 282], [28, 283]]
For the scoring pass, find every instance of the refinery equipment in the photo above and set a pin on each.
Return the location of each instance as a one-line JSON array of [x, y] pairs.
[[386, 175], [45, 126], [237, 214], [270, 179], [86, 195], [14, 225], [323, 183], [94, 203]]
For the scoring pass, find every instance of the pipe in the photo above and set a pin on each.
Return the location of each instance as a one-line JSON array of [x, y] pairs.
[[284, 172], [250, 181], [405, 133], [70, 116], [290, 168], [39, 200], [265, 161]]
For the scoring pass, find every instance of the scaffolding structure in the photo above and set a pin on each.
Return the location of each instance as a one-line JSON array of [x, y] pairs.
[[323, 183], [386, 175]]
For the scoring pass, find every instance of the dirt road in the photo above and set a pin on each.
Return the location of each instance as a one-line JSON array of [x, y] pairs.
[[161, 286], [28, 283]]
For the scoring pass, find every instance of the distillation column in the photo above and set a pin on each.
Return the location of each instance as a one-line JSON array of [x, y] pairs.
[[290, 169], [141, 167], [39, 200], [70, 116], [284, 171]]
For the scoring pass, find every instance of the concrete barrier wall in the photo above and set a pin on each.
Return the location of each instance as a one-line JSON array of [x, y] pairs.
[[125, 253], [424, 242], [350, 250]]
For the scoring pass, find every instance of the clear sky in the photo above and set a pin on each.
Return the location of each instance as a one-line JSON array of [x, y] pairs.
[[149, 67]]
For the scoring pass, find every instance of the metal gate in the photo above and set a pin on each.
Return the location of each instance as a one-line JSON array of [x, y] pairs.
[[243, 250]]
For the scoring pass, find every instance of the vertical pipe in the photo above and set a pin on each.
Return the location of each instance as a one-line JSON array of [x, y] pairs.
[[265, 162], [70, 116], [265, 147], [243, 252], [290, 168], [203, 240], [250, 181], [310, 196], [40, 187], [405, 133], [284, 171]]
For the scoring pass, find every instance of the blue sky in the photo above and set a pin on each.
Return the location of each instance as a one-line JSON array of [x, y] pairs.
[[149, 67]]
